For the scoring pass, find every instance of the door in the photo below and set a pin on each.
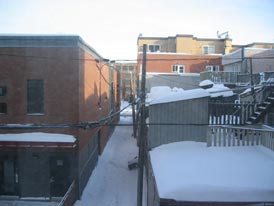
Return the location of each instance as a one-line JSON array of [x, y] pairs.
[[8, 177], [59, 176]]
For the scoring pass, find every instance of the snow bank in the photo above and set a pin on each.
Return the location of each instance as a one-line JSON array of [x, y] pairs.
[[36, 137], [206, 83], [220, 90], [182, 95], [190, 171], [156, 92]]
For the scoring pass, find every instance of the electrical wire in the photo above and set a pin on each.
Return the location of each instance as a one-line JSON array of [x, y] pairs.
[[202, 57], [83, 125]]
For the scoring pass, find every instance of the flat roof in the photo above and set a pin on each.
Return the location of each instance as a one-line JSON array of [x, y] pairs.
[[180, 96], [191, 171], [46, 40]]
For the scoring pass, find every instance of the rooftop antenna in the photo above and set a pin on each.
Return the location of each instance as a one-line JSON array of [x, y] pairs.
[[219, 35]]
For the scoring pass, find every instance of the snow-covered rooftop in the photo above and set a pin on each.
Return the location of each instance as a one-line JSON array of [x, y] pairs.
[[37, 137], [190, 171], [220, 90], [206, 82], [181, 95]]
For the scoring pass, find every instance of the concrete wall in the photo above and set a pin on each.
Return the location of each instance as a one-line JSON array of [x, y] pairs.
[[185, 81]]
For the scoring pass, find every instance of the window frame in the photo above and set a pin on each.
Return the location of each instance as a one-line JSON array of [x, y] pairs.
[[3, 91], [212, 68], [178, 69], [154, 49], [210, 49], [3, 105], [33, 101]]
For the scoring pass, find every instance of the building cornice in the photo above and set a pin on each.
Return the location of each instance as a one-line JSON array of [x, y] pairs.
[[47, 41]]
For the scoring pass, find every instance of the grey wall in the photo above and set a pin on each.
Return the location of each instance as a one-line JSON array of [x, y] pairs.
[[193, 114], [88, 158], [187, 81]]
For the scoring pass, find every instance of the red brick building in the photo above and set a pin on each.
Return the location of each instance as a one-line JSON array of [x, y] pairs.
[[52, 80], [177, 61], [181, 63]]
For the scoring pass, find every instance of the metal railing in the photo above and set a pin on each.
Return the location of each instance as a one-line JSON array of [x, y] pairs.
[[71, 195]]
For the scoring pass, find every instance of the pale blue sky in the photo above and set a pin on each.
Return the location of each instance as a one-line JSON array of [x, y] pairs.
[[111, 27]]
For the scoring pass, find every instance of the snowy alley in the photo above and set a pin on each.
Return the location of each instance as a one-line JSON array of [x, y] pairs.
[[111, 182]]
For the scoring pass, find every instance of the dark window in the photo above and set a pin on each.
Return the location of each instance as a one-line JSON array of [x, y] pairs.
[[3, 108], [35, 96], [154, 48], [178, 68], [3, 91]]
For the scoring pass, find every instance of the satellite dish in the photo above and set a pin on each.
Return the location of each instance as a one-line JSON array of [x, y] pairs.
[[219, 35]]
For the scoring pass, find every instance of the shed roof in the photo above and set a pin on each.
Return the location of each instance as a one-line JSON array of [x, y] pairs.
[[191, 171], [179, 96], [44, 40]]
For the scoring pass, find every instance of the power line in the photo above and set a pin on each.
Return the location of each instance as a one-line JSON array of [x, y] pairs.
[[201, 57], [83, 125]]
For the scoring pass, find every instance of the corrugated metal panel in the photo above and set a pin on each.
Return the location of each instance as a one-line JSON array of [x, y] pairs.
[[192, 114]]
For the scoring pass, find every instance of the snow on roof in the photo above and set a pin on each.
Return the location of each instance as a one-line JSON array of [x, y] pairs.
[[156, 92], [220, 90], [181, 95], [190, 171], [37, 137], [206, 82]]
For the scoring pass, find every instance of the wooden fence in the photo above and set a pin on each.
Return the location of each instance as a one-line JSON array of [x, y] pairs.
[[226, 136], [221, 113]]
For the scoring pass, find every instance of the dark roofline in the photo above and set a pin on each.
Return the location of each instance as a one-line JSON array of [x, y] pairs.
[[14, 40], [251, 44], [185, 35]]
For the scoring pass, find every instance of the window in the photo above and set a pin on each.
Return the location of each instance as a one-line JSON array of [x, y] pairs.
[[208, 49], [154, 48], [212, 68], [3, 91], [3, 108], [178, 68], [35, 96]]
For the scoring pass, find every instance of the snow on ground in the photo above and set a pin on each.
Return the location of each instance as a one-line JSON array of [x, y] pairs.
[[26, 203], [127, 108], [111, 183], [190, 171]]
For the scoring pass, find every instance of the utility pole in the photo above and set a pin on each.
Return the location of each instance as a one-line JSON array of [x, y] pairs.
[[132, 97], [252, 82], [142, 151]]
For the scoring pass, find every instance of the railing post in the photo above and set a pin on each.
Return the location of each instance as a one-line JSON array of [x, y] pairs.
[[209, 136]]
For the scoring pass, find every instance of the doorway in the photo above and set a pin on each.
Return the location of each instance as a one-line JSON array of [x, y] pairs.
[[59, 176]]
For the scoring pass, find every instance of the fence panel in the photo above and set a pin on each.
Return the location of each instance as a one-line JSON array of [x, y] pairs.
[[226, 136], [221, 113]]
